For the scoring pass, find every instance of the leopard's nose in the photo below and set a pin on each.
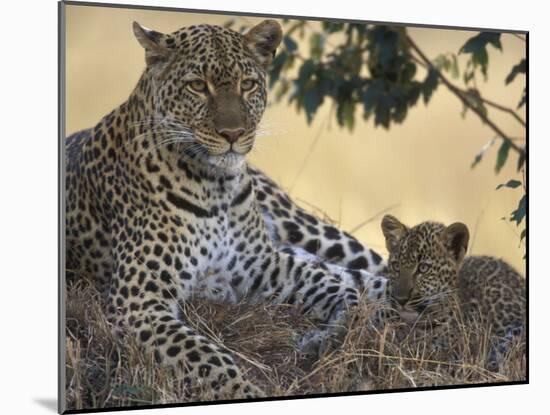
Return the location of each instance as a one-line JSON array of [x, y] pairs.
[[231, 135], [401, 300]]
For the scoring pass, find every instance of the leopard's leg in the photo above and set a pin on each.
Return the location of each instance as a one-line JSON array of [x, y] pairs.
[[284, 278], [501, 344], [506, 332], [503, 319], [145, 300], [372, 289], [289, 279], [291, 225], [371, 285]]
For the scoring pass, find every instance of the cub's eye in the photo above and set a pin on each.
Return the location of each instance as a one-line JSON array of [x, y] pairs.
[[423, 267], [248, 85], [198, 86]]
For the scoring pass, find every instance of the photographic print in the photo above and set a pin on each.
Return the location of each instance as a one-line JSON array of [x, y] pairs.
[[275, 207]]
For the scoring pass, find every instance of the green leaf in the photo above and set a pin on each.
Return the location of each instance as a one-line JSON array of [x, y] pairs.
[[284, 86], [519, 214], [387, 47], [479, 156], [441, 62], [372, 94], [474, 98], [468, 76], [316, 45], [481, 58], [345, 113], [429, 85], [290, 44], [521, 160], [523, 99], [477, 47], [408, 72], [330, 27], [312, 100], [276, 67], [502, 155], [306, 71], [382, 113], [512, 184], [521, 67], [480, 41], [455, 71]]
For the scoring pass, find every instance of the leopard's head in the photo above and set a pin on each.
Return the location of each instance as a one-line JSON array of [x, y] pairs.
[[205, 87], [423, 262]]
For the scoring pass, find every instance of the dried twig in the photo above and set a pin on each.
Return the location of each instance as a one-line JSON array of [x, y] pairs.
[[375, 216], [308, 154]]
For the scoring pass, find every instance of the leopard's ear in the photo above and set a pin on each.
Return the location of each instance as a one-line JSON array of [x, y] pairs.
[[455, 238], [263, 39], [393, 231], [151, 41]]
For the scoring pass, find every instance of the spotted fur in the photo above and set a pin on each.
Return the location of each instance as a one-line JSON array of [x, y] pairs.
[[161, 206], [429, 275]]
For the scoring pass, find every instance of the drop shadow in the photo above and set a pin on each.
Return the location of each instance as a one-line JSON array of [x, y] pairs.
[[48, 403]]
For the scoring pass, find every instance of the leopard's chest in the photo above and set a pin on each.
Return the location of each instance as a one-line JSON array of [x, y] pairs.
[[221, 237]]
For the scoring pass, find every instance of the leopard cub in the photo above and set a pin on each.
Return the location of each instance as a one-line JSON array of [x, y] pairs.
[[429, 273]]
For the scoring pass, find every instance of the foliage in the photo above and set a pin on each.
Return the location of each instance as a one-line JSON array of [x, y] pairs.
[[379, 69], [384, 85], [477, 48], [521, 67]]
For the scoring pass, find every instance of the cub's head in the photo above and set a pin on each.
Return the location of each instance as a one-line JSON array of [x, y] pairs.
[[205, 86], [423, 261]]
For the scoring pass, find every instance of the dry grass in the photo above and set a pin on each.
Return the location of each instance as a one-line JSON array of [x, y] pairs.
[[104, 371]]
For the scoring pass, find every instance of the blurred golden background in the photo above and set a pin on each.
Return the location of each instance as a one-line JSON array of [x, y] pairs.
[[416, 171]]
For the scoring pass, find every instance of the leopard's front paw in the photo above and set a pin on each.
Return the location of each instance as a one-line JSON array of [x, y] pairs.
[[251, 391], [376, 287], [241, 388]]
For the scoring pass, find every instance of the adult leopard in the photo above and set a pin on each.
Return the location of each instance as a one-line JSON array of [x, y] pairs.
[[161, 205]]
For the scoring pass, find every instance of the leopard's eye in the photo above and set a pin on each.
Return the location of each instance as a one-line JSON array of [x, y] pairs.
[[423, 267], [248, 85], [198, 86], [394, 265]]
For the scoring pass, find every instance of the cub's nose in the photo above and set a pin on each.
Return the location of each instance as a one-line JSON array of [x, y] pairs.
[[401, 300], [231, 135]]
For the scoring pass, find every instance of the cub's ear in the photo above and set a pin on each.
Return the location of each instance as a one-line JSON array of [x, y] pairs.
[[151, 41], [393, 231], [455, 238], [263, 39]]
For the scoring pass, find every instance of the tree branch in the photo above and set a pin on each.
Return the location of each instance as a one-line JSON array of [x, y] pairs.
[[518, 36], [460, 94], [501, 108], [484, 100]]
